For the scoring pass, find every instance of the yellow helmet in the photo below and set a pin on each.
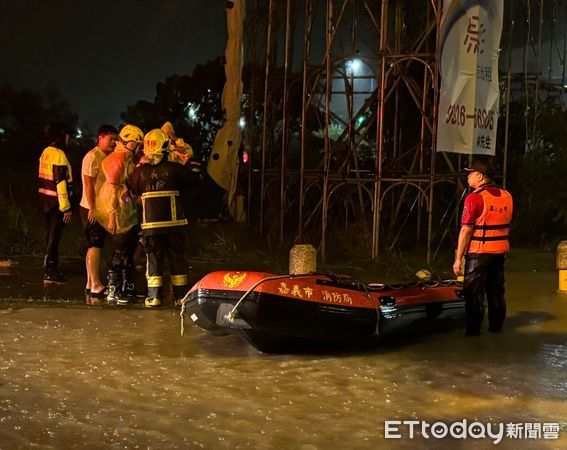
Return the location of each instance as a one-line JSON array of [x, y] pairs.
[[130, 133], [156, 142]]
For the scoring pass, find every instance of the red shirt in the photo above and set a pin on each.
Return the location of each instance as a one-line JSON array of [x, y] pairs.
[[474, 204]]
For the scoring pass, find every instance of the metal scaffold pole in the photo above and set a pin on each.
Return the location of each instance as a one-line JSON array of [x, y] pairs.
[[343, 149]]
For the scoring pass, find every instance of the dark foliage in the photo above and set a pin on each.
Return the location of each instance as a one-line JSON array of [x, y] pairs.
[[537, 173], [191, 103]]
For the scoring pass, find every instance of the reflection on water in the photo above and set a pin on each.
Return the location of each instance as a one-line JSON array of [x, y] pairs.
[[121, 378]]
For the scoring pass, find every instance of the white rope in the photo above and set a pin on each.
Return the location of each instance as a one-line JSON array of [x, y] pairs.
[[182, 314]]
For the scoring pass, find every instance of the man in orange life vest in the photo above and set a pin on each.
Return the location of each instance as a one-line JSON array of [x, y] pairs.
[[483, 241]]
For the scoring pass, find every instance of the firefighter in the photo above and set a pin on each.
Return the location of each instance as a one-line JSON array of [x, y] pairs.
[[117, 212], [483, 241], [157, 182], [55, 192]]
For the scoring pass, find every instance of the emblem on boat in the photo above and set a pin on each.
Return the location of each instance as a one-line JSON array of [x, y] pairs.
[[234, 279]]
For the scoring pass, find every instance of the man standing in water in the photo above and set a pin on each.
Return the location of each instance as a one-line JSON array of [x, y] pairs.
[[93, 179], [483, 241]]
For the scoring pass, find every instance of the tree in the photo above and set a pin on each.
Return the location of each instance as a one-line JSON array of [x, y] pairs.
[[191, 103], [536, 173], [24, 113]]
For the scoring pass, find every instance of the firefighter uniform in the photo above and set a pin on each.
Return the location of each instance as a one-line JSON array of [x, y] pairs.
[[157, 182], [55, 190]]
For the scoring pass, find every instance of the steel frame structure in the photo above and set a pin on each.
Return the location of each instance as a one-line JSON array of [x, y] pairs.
[[341, 192], [542, 75], [405, 70]]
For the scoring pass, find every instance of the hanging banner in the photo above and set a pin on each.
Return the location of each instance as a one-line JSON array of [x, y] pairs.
[[223, 163], [469, 96]]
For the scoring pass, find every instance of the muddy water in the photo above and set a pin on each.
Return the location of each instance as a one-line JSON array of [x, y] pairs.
[[78, 377]]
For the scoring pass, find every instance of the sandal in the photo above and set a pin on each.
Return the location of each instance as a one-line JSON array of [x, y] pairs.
[[100, 294]]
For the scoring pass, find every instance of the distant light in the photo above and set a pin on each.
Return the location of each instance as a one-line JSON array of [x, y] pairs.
[[79, 133], [353, 66], [245, 157], [242, 123], [2, 130], [192, 112]]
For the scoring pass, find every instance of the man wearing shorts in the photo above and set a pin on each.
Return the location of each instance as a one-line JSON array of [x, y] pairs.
[[93, 179]]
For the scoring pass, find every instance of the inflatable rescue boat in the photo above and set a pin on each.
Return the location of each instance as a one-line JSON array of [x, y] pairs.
[[275, 312]]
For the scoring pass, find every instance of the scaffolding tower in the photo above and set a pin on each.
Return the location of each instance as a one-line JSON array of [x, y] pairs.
[[341, 119], [535, 39]]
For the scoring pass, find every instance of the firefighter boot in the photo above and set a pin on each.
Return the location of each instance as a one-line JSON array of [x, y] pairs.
[[54, 278], [114, 286], [127, 293], [52, 274], [152, 300]]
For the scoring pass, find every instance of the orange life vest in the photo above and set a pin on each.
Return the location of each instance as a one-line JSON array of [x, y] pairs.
[[490, 232]]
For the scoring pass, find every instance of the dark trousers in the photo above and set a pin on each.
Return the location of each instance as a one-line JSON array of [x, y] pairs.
[[157, 248], [55, 224], [484, 279], [124, 245]]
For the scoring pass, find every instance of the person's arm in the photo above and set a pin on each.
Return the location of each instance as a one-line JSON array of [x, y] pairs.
[[116, 169], [60, 173], [133, 185], [465, 236], [113, 209], [89, 187]]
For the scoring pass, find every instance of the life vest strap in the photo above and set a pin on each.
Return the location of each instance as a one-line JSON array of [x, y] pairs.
[[489, 238], [491, 227]]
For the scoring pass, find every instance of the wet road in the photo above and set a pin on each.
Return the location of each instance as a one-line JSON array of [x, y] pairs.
[[91, 377]]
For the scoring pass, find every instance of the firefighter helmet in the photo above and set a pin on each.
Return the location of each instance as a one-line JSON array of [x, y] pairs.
[[156, 142], [131, 133]]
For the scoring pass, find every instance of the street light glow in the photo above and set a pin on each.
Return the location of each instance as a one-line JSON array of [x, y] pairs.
[[353, 66]]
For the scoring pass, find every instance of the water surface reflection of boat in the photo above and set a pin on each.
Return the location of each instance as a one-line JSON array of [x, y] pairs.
[[275, 312]]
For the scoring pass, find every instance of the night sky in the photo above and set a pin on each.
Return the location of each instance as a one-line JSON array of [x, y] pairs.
[[103, 55]]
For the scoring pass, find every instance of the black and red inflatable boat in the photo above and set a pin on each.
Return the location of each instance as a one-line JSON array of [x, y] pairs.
[[273, 312]]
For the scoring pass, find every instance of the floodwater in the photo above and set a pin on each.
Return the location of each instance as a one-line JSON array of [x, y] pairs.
[[73, 376]]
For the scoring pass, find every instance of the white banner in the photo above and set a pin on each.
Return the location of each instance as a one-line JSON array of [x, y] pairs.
[[469, 96], [223, 163]]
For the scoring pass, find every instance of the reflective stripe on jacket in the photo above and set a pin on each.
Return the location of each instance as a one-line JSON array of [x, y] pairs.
[[491, 229], [160, 210], [159, 185]]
